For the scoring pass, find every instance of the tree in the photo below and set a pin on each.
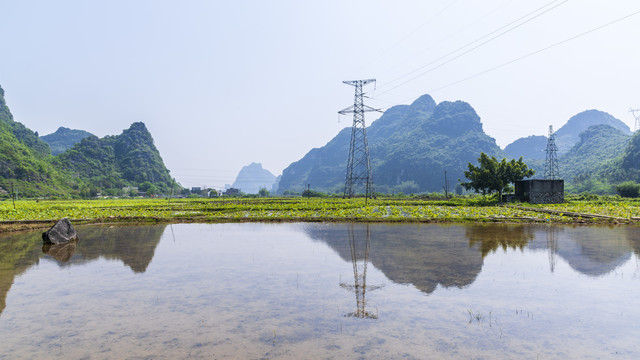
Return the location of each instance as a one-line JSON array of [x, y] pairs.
[[263, 192], [145, 186], [628, 189], [152, 190], [495, 176], [407, 187]]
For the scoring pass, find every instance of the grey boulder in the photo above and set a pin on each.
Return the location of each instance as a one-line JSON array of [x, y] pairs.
[[60, 233]]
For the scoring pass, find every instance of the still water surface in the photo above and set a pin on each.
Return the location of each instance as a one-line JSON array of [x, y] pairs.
[[295, 291]]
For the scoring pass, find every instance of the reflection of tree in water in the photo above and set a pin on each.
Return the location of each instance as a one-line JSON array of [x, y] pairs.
[[360, 259], [491, 237]]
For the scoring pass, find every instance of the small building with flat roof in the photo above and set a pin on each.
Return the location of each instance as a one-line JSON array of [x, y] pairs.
[[540, 191]]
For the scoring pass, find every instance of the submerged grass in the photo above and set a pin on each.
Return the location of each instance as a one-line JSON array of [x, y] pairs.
[[314, 209]]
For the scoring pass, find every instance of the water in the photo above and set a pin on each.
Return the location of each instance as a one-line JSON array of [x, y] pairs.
[[293, 291]]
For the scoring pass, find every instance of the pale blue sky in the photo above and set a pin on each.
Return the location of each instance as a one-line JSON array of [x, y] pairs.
[[221, 84]]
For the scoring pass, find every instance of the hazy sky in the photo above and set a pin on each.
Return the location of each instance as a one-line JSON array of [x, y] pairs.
[[221, 84]]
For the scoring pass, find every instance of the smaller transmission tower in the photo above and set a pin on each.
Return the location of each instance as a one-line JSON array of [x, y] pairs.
[[551, 171], [358, 166], [636, 115]]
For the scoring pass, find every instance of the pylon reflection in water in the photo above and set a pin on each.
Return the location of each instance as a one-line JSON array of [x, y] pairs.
[[360, 260]]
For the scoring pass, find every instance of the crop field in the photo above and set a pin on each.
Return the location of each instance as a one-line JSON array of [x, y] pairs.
[[315, 209]]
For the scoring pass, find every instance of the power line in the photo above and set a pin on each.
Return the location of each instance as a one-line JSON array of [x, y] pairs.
[[537, 51], [407, 36], [451, 35], [473, 48]]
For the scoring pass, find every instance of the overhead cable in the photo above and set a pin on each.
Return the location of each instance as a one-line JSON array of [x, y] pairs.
[[537, 51], [471, 49], [407, 36]]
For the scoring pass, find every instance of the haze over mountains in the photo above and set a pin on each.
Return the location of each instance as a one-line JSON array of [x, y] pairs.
[[411, 147]]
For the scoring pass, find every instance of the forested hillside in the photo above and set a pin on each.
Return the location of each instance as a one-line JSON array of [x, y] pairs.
[[410, 145], [25, 160], [90, 167]]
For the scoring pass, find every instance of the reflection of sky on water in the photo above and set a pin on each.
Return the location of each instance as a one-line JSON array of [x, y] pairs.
[[273, 290]]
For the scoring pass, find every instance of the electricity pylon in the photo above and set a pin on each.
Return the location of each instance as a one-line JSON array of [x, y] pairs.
[[359, 165], [551, 171], [636, 115]]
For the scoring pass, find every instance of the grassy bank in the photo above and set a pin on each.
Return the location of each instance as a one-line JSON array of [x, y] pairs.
[[40, 213]]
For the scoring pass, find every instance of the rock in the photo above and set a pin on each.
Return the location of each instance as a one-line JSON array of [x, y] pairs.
[[61, 232]]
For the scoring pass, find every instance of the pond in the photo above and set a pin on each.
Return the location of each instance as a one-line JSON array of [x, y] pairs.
[[292, 291]]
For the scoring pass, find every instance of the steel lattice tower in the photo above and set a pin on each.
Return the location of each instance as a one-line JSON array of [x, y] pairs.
[[358, 166], [636, 115], [551, 171]]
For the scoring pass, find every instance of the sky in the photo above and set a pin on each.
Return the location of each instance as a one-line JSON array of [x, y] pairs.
[[222, 84]]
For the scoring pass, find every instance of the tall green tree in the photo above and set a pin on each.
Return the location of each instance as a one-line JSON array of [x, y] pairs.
[[495, 176]]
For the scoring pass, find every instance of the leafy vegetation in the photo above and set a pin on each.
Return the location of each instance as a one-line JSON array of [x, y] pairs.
[[458, 209], [628, 189]]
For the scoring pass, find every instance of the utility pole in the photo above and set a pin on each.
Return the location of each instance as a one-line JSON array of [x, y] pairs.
[[551, 171], [636, 115], [359, 165], [13, 195], [446, 185], [173, 183]]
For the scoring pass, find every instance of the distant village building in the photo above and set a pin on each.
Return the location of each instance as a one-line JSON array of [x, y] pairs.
[[132, 191], [540, 191], [232, 192], [196, 190]]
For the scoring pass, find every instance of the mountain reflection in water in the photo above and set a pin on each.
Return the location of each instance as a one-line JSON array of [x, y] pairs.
[[452, 255], [133, 245], [422, 255]]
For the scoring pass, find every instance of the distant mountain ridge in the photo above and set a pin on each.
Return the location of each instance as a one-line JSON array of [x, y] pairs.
[[252, 178], [592, 148], [409, 144], [533, 147], [569, 134], [64, 139]]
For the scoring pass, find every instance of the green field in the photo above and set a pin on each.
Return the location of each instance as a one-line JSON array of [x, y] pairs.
[[478, 209]]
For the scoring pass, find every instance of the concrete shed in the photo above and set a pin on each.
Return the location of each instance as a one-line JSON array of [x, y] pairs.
[[540, 191]]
